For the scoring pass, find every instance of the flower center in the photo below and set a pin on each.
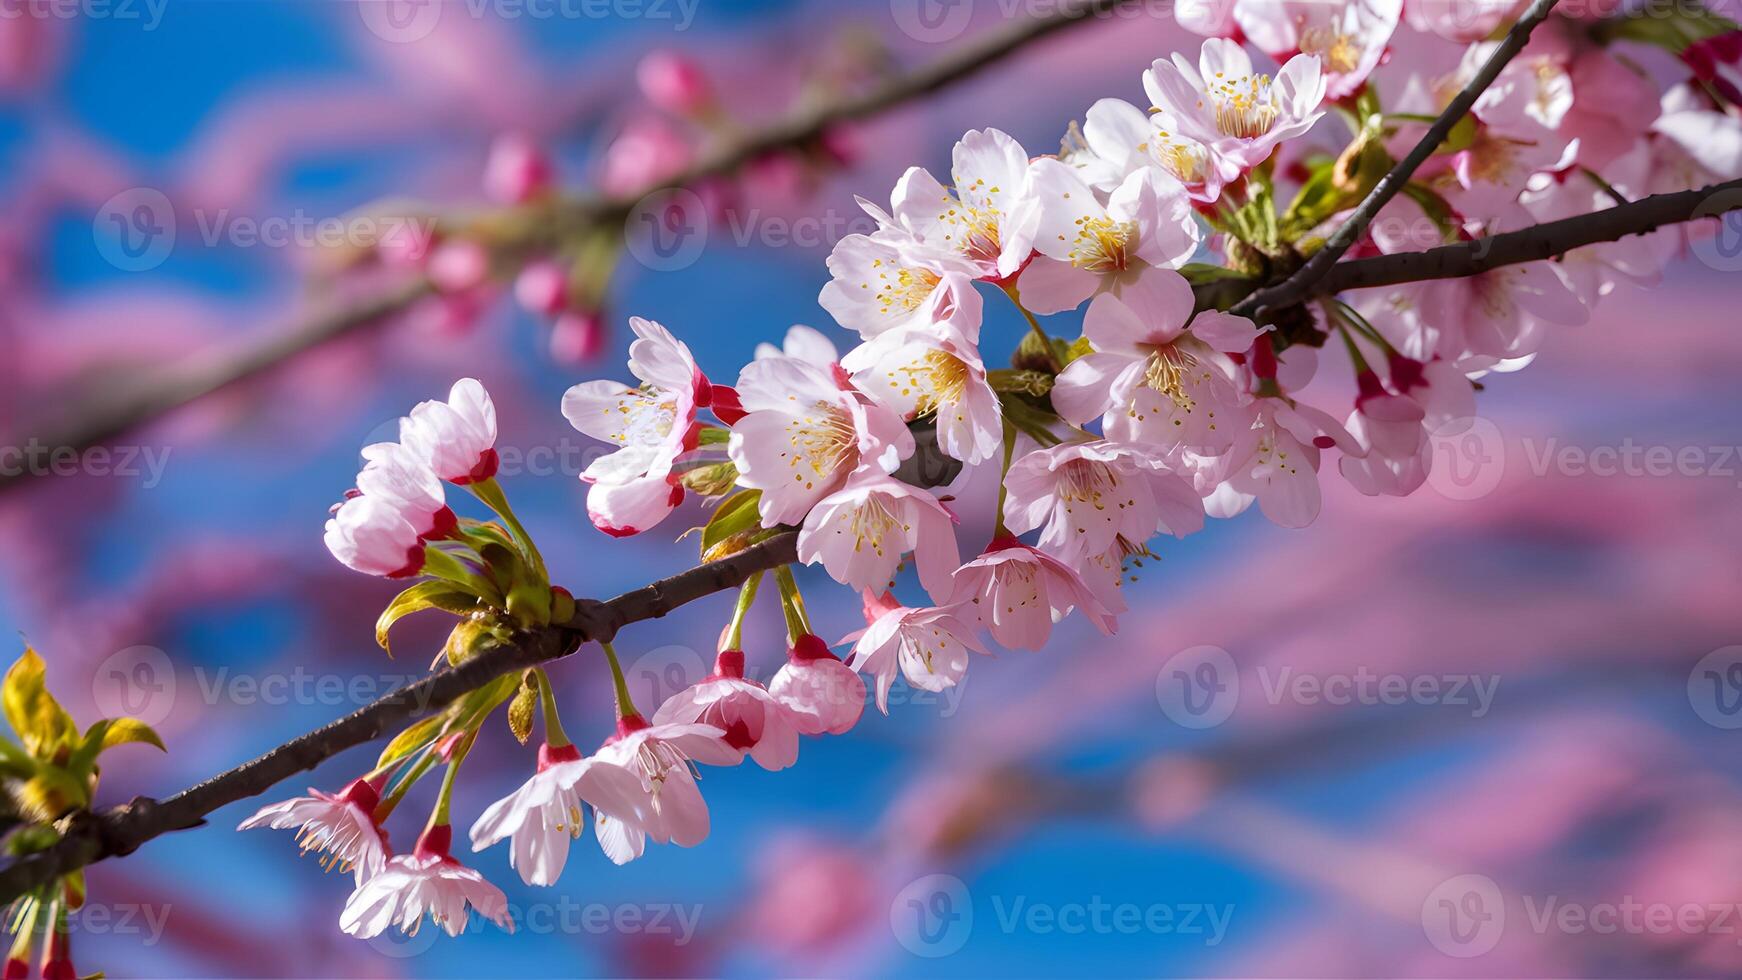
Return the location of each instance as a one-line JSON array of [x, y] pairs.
[[1245, 107], [825, 442], [903, 291], [1166, 374], [644, 416], [871, 522], [1186, 160], [1101, 244], [1340, 52], [940, 378], [1084, 481]]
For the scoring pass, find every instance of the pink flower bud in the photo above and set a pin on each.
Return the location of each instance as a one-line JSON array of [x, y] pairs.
[[517, 170], [455, 438], [649, 151], [824, 695], [577, 337], [396, 476], [542, 288], [674, 83], [368, 535], [458, 265]]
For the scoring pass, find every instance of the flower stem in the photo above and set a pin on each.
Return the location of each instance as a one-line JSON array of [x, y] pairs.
[[998, 528], [792, 603], [445, 800], [554, 736], [625, 703], [746, 598]]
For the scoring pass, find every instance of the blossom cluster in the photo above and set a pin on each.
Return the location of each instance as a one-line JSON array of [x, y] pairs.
[[1162, 409]]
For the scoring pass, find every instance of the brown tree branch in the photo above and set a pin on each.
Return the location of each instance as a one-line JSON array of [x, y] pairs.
[[1533, 244], [91, 837], [533, 229], [1300, 285]]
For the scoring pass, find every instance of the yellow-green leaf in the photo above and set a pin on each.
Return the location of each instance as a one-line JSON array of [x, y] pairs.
[[424, 595], [411, 739], [122, 731], [39, 720], [735, 515]]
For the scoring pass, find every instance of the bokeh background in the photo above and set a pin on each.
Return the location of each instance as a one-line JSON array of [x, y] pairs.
[[1185, 798]]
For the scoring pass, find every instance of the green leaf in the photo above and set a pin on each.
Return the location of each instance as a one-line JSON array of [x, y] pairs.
[[735, 515], [41, 723], [1036, 383], [424, 595], [125, 731], [713, 436], [411, 739]]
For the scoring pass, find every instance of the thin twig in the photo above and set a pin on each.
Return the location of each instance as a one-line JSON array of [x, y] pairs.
[[1300, 285], [92, 837], [540, 227]]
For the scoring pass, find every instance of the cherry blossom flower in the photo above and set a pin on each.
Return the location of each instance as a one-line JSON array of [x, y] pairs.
[[1087, 494], [1275, 462], [988, 218], [577, 336], [756, 723], [369, 535], [427, 881], [339, 825], [1121, 139], [934, 372], [545, 813], [1018, 591], [396, 475], [669, 806], [1087, 248], [804, 434], [890, 279], [823, 695], [1158, 375], [455, 438], [651, 424], [860, 532], [626, 509], [1239, 114], [929, 647], [1347, 36]]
